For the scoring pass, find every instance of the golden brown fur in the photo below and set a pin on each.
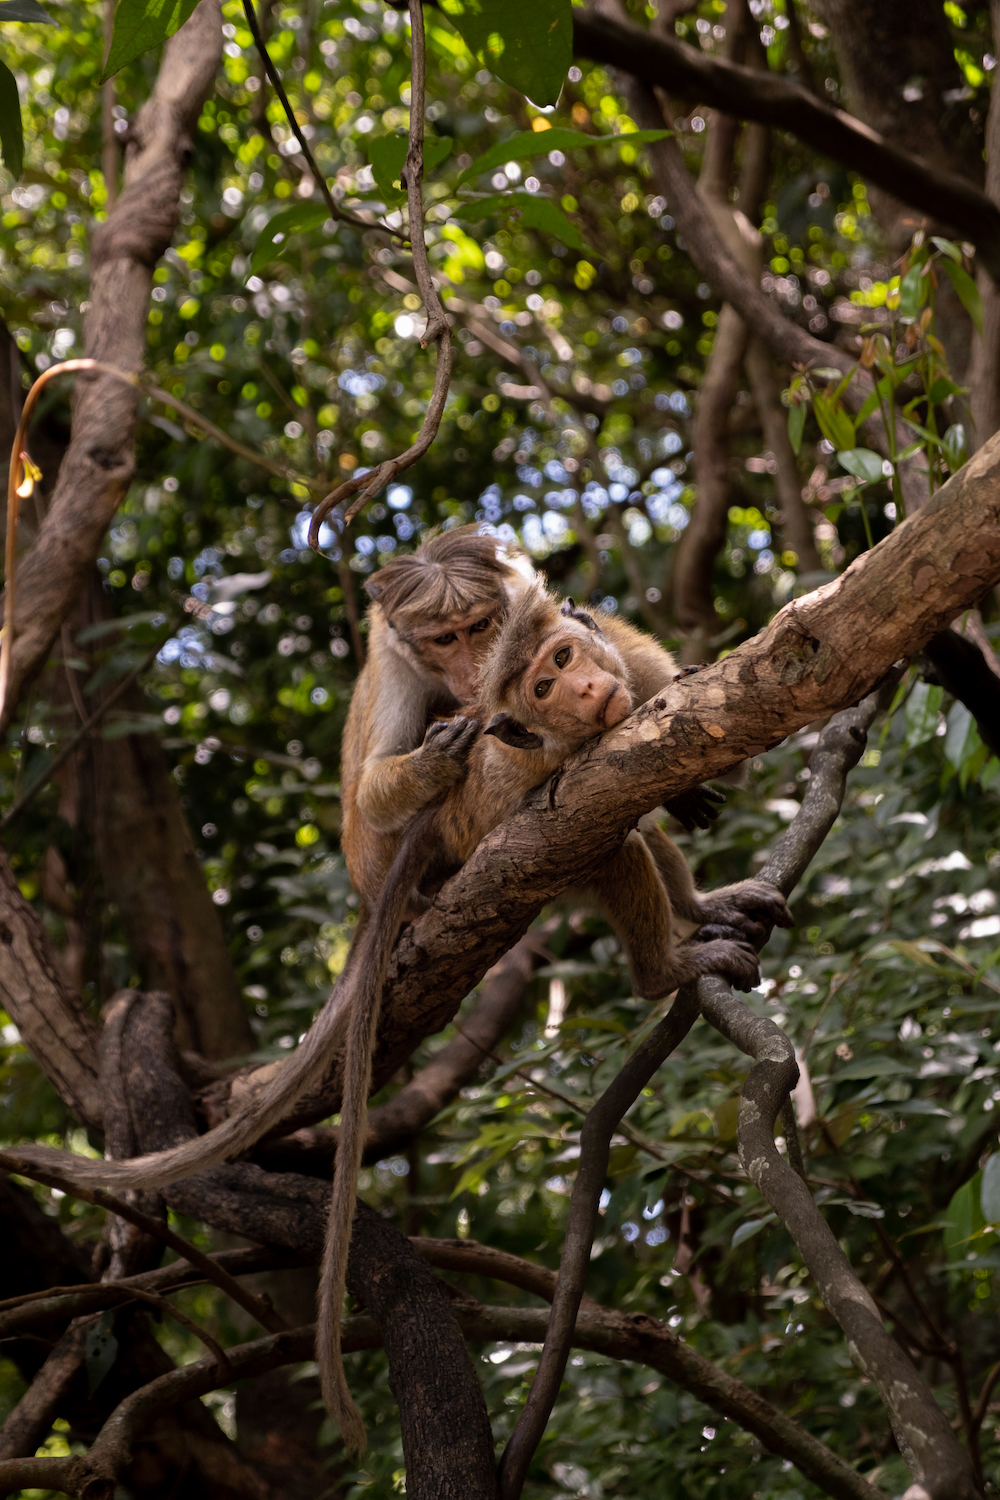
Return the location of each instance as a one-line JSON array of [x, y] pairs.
[[395, 758]]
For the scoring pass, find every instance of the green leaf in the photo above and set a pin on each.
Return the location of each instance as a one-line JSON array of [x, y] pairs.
[[963, 1219], [942, 389], [535, 213], [910, 451], [862, 463], [989, 1189], [878, 1065], [796, 425], [24, 10], [947, 247], [11, 132], [912, 294], [961, 738], [867, 408], [953, 443], [298, 219], [968, 292], [387, 154], [922, 714], [531, 143], [834, 422], [141, 25], [527, 43], [750, 1228]]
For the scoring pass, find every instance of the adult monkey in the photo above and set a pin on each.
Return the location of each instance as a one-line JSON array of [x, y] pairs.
[[434, 618]]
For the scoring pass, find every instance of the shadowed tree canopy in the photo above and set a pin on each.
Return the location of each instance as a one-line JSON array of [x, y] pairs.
[[697, 303]]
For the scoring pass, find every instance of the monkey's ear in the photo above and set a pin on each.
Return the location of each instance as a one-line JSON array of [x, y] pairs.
[[513, 733], [571, 612], [372, 589]]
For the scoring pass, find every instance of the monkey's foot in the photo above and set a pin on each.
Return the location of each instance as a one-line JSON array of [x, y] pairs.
[[696, 808], [753, 908], [735, 961]]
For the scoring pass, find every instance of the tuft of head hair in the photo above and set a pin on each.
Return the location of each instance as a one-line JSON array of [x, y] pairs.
[[449, 573], [530, 618]]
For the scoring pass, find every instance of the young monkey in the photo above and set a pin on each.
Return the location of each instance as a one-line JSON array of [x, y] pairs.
[[553, 681]]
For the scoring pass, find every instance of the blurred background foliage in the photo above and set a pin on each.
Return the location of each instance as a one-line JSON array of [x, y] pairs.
[[307, 351]]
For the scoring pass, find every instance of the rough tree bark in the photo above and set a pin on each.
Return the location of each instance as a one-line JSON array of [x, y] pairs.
[[100, 460]]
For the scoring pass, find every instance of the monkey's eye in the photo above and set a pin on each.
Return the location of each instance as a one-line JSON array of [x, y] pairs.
[[483, 624], [445, 640], [542, 688], [562, 657]]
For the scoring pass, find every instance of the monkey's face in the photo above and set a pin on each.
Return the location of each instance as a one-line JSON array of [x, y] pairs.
[[453, 648], [575, 687]]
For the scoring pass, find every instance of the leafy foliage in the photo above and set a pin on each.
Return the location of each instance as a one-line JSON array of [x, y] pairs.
[[299, 336]]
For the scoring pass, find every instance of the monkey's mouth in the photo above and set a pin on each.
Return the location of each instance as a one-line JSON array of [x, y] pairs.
[[612, 713]]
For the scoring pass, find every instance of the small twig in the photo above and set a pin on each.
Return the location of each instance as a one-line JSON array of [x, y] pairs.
[[211, 430], [153, 1299], [983, 1404], [653, 1148], [336, 212], [437, 329], [789, 1125], [60, 1304], [258, 1308], [85, 728]]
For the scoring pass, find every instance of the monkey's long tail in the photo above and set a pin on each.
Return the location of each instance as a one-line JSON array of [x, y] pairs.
[[409, 865]]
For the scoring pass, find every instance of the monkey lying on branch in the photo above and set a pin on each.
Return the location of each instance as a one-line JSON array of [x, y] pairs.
[[553, 680]]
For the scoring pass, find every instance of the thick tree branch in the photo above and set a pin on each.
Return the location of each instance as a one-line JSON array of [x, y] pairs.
[[28, 1424], [664, 62], [962, 670], [99, 464]]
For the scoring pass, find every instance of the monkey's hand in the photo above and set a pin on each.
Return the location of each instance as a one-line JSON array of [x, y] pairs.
[[695, 808], [444, 754], [752, 908]]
